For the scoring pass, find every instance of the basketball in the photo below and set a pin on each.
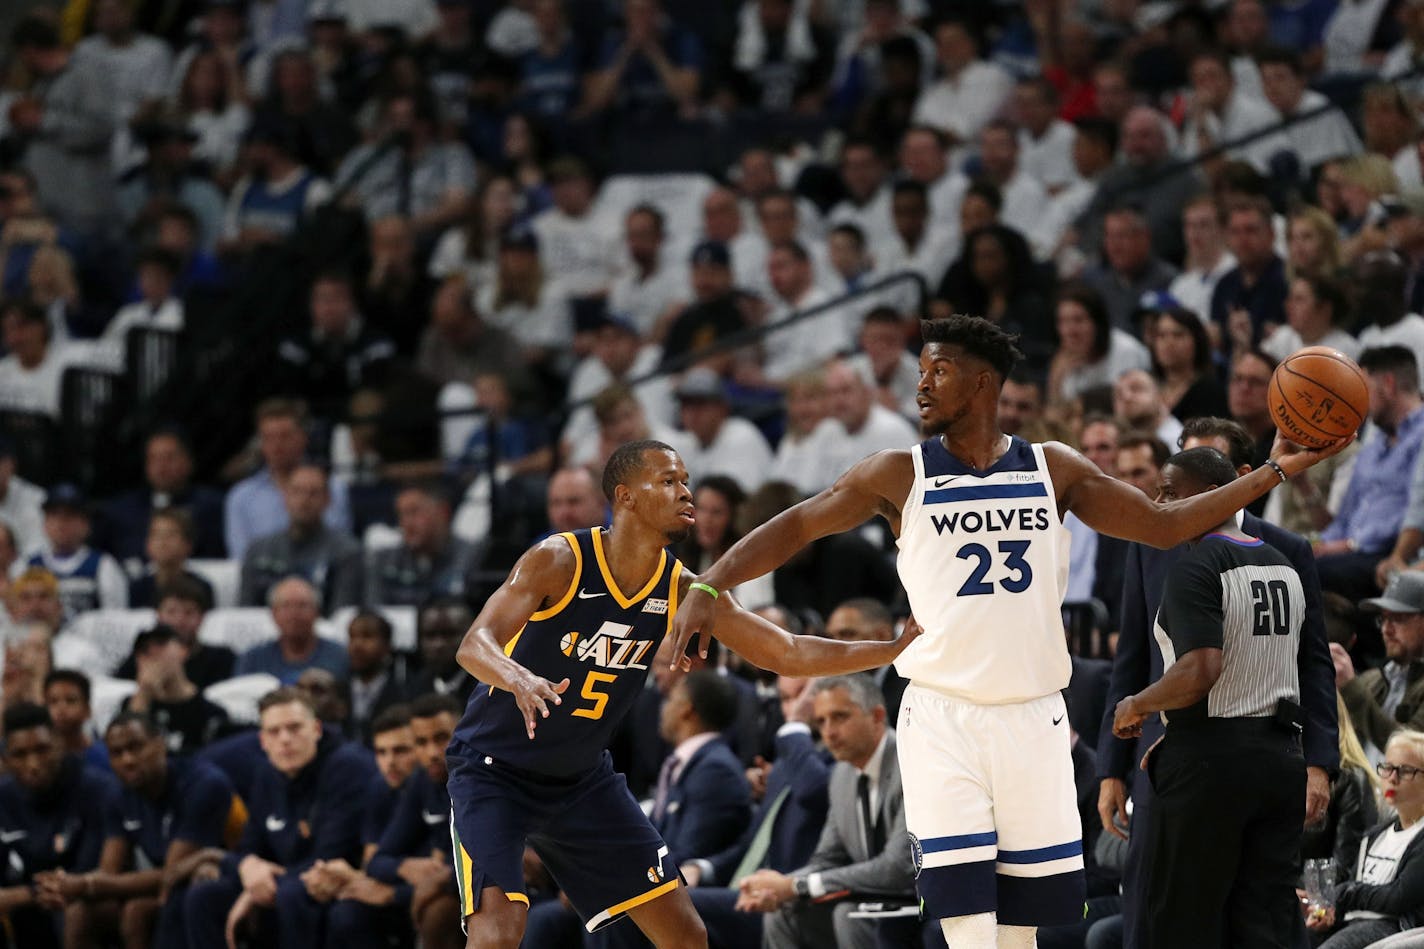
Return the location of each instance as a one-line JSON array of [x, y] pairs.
[[1318, 396]]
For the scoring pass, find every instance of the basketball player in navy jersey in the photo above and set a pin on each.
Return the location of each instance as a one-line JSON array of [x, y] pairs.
[[985, 751], [562, 652]]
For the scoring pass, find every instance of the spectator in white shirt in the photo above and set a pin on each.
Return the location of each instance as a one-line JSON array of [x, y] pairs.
[[1221, 114], [1045, 140], [1246, 31], [576, 253], [713, 441], [1207, 261], [916, 244], [1312, 243], [970, 91], [1315, 306], [1408, 55], [867, 201], [1314, 141], [521, 302], [723, 222], [869, 426], [812, 435], [779, 215], [158, 308], [1024, 198], [883, 359], [30, 376], [618, 356], [20, 502], [648, 292], [924, 158], [807, 342], [137, 65], [850, 257], [1094, 150], [1138, 402]]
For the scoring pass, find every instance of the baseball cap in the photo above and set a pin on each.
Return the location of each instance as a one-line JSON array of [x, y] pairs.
[[1404, 594], [67, 495], [711, 252], [1155, 301], [701, 384]]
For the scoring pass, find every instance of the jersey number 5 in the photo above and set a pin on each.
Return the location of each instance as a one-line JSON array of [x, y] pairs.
[[1013, 550], [591, 692]]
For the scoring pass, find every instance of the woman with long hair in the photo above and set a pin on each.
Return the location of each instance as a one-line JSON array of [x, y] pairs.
[[1091, 352], [995, 278], [471, 248], [1312, 243], [719, 500], [1354, 804], [519, 302], [212, 99], [1181, 361], [1316, 307]]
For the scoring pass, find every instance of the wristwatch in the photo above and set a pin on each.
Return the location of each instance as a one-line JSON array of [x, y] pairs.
[[803, 887]]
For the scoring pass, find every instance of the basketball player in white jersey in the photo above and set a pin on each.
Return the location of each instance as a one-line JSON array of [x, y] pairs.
[[984, 745]]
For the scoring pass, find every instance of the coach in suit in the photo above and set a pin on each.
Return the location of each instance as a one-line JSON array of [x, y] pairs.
[[864, 850], [783, 833], [1138, 663]]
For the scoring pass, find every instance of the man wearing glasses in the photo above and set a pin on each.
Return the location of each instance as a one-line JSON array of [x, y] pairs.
[[1382, 701]]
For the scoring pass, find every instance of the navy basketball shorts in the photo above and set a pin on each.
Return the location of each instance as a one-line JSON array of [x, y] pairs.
[[591, 834], [991, 808]]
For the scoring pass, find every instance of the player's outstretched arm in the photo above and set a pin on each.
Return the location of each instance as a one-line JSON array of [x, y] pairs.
[[874, 485], [542, 577], [764, 644], [1116, 508]]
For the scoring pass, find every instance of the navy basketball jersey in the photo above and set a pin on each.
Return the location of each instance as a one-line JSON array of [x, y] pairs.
[[598, 638]]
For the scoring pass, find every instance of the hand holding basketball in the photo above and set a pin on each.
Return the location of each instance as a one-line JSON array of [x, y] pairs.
[[1318, 397]]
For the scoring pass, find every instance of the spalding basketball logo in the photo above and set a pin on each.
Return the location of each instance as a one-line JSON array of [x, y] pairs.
[[918, 853], [566, 645]]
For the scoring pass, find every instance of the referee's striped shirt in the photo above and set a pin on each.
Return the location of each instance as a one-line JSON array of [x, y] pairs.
[[1244, 598]]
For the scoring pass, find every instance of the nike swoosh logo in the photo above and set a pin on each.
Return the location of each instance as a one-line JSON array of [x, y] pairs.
[[432, 819], [132, 825], [274, 824], [941, 482], [585, 595], [1058, 719], [12, 836]]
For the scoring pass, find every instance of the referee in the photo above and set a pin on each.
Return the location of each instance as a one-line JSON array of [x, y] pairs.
[[1228, 774]]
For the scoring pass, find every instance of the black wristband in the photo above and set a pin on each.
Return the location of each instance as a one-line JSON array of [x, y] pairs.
[[1276, 467]]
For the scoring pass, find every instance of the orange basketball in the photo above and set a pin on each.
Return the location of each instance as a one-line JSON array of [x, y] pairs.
[[1318, 396]]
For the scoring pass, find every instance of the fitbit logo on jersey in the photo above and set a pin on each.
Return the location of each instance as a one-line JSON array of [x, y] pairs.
[[973, 522], [609, 648]]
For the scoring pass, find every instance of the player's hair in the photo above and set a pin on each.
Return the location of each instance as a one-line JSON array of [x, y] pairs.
[[144, 722], [187, 590], [383, 625], [432, 704], [713, 699], [1160, 452], [625, 460], [70, 677], [1205, 465], [23, 716], [861, 688], [1242, 446], [1399, 361], [286, 695], [390, 719], [977, 337]]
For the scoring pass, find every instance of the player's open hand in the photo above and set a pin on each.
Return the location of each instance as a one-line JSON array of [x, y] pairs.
[[533, 695], [694, 617], [1294, 458], [910, 632], [1127, 720]]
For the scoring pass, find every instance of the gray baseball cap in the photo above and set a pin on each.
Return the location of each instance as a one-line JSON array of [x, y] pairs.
[[1405, 594]]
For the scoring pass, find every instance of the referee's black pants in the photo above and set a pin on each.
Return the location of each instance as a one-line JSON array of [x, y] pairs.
[[1226, 833]]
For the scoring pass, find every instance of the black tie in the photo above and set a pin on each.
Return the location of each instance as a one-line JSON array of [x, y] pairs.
[[873, 842]]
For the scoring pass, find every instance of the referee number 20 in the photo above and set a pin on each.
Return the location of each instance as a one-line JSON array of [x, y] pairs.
[[1270, 600]]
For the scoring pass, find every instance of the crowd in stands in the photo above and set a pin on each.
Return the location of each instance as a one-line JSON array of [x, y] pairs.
[[550, 227]]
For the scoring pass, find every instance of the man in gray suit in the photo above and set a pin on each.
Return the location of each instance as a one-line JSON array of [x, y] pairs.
[[864, 851]]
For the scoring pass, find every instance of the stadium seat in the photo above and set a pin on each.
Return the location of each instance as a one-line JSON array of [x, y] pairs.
[[224, 575], [401, 618], [106, 697], [239, 696], [109, 634]]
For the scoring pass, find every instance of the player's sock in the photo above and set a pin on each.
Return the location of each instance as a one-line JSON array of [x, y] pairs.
[[970, 932], [1018, 937]]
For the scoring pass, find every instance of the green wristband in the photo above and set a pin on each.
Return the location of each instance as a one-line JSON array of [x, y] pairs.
[[699, 585]]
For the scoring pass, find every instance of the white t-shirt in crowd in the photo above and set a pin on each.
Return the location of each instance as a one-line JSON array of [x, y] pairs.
[[1049, 159], [807, 460], [1379, 863], [739, 451], [33, 390], [1408, 331], [1285, 341]]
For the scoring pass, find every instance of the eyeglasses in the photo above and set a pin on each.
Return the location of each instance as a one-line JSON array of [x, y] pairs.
[[1401, 772], [1392, 619]]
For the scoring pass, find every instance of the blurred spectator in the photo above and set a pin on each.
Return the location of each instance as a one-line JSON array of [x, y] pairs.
[[307, 547], [295, 608], [718, 500], [175, 229], [1024, 197], [648, 71], [782, 60], [181, 607], [1094, 148], [325, 130], [33, 597], [168, 484], [378, 675], [807, 342], [20, 502], [506, 440], [1045, 141], [868, 620], [314, 818], [1247, 385], [1207, 260], [1356, 38], [861, 56], [1246, 34], [88, 579], [458, 344], [1098, 442], [1354, 803], [618, 358], [717, 308], [340, 354], [1375, 503], [1383, 700], [1137, 402], [212, 96], [712, 440], [169, 173], [995, 277], [887, 112], [53, 812], [894, 372], [812, 435], [30, 375], [256, 506], [1328, 135], [409, 172], [1316, 306], [1312, 243], [395, 286], [1249, 301], [187, 721], [577, 256], [469, 249], [650, 290], [64, 129], [169, 545], [915, 244], [1139, 460], [869, 426], [1364, 180], [867, 200], [1182, 363], [428, 561], [1130, 269], [1091, 352], [1220, 115], [137, 65], [158, 308], [970, 91], [68, 694], [277, 195], [25, 229], [521, 300], [723, 224], [552, 60], [440, 626], [1377, 293], [54, 288], [1020, 408], [620, 419]]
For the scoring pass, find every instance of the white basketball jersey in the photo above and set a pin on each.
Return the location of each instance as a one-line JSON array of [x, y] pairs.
[[984, 559]]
